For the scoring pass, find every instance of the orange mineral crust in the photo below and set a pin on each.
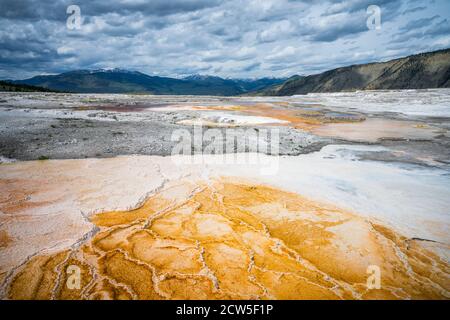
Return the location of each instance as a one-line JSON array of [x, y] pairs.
[[5, 240], [232, 239], [323, 122]]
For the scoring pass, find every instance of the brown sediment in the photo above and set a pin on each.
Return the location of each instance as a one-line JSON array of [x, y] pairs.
[[294, 118], [353, 127], [38, 279], [302, 118], [374, 129], [322, 122], [16, 195], [230, 239], [5, 239]]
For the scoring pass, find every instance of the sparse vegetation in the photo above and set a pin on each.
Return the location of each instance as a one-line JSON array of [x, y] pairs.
[[8, 86]]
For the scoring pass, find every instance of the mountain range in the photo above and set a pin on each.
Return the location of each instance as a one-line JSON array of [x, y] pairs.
[[125, 81], [420, 71]]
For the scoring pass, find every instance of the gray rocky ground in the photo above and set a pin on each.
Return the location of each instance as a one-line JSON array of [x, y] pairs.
[[63, 126], [28, 136]]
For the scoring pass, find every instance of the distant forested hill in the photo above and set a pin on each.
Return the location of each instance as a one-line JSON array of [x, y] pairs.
[[124, 81], [8, 86]]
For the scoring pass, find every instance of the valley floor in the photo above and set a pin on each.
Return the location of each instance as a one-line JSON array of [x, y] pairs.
[[360, 181]]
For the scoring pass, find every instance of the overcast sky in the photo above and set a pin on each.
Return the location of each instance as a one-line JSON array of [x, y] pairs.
[[235, 38]]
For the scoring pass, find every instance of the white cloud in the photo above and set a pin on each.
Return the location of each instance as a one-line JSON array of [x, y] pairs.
[[234, 38]]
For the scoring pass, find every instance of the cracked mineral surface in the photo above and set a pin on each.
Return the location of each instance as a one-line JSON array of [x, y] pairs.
[[193, 233], [361, 181]]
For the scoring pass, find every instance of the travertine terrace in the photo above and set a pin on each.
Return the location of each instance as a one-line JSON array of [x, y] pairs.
[[352, 189], [195, 237]]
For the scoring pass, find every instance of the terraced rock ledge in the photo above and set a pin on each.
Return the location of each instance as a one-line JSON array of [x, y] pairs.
[[209, 238]]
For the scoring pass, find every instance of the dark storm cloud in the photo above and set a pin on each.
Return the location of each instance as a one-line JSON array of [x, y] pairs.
[[251, 67], [348, 18], [412, 10], [360, 5], [423, 29], [442, 28], [33, 9], [154, 7], [343, 27], [38, 9], [236, 38], [419, 23]]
